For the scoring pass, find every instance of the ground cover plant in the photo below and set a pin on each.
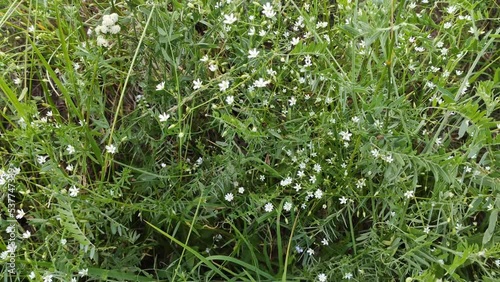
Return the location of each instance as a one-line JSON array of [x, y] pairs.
[[236, 140]]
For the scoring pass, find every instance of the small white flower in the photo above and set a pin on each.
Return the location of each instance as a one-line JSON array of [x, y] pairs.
[[204, 58], [409, 194], [285, 182], [114, 29], [32, 275], [41, 159], [268, 207], [212, 67], [447, 25], [163, 117], [230, 100], [20, 214], [322, 277], [229, 19], [241, 190], [348, 276], [317, 168], [346, 136], [310, 252], [224, 85], [324, 242], [318, 194], [160, 86], [287, 206], [63, 241], [292, 101], [197, 84], [69, 167], [260, 83], [388, 159], [295, 41], [268, 10], [229, 197], [111, 149], [101, 41], [47, 278], [343, 200], [253, 53], [73, 191], [70, 149], [26, 234], [83, 272]]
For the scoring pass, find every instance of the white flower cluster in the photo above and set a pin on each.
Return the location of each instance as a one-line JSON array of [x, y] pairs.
[[108, 26]]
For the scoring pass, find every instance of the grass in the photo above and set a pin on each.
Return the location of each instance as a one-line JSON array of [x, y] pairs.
[[250, 141]]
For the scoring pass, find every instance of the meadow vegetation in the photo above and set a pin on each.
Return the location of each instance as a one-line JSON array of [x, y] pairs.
[[234, 140]]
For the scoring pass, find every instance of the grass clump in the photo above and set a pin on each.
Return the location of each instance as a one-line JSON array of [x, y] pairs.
[[250, 141]]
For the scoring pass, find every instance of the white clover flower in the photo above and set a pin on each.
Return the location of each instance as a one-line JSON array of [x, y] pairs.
[[268, 10], [268, 207], [287, 206], [197, 84], [230, 19], [160, 86], [224, 85], [253, 53], [73, 191], [111, 149]]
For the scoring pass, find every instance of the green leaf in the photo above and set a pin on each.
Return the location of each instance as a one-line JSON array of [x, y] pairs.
[[491, 224]]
